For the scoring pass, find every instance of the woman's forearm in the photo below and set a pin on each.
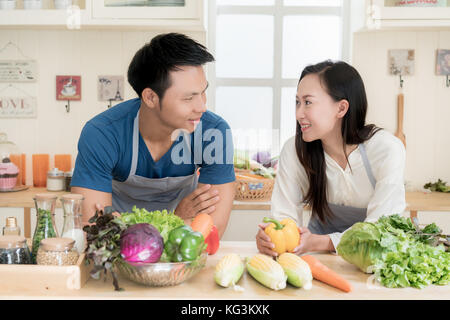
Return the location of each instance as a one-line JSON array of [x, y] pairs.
[[322, 243]]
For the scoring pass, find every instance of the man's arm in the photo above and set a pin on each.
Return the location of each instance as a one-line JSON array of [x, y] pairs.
[[222, 211], [91, 199]]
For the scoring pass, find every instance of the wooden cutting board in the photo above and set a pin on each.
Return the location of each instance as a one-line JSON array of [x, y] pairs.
[[400, 109]]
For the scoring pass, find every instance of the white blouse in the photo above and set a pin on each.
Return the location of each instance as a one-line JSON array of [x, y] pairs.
[[386, 155]]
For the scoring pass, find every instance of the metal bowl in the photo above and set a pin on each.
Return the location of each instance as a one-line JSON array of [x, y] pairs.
[[161, 274]]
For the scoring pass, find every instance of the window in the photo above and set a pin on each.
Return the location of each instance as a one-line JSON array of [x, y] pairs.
[[261, 47]]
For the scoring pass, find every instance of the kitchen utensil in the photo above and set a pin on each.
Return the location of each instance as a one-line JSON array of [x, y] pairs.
[[400, 109], [161, 274]]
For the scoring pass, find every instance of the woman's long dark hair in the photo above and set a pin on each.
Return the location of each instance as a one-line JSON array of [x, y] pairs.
[[342, 82]]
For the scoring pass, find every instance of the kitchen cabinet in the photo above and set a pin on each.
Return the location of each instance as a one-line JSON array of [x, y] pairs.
[[386, 14], [186, 15]]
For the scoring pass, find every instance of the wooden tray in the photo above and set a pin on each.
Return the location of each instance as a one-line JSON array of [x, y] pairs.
[[25, 276]]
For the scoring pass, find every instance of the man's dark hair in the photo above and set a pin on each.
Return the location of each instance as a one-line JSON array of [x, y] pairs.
[[151, 65]]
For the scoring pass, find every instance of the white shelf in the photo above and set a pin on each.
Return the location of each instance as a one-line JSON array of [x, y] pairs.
[[408, 17], [91, 18]]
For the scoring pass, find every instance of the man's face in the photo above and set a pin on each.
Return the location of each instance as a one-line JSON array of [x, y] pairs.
[[184, 102]]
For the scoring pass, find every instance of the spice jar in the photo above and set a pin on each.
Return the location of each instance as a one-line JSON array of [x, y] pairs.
[[14, 250], [45, 223], [57, 251], [11, 228], [68, 179], [55, 180], [73, 226]]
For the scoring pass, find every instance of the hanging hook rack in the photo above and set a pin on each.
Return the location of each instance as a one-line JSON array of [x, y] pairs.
[[110, 103], [68, 106], [401, 81]]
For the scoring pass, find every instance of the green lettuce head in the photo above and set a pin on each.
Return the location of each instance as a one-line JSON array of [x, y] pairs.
[[361, 245]]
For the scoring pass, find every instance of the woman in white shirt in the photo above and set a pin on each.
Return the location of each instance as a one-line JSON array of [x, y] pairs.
[[346, 170]]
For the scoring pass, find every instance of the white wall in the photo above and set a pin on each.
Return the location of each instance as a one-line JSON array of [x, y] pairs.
[[427, 99], [64, 52]]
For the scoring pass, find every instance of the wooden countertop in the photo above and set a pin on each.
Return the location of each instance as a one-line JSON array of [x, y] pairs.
[[416, 201], [202, 285]]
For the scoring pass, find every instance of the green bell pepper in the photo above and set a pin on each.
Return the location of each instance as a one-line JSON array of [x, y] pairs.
[[184, 244]]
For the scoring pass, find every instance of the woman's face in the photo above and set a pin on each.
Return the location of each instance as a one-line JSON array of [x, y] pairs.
[[317, 113]]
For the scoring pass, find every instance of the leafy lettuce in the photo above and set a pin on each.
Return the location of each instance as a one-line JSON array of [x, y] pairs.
[[398, 253], [164, 221]]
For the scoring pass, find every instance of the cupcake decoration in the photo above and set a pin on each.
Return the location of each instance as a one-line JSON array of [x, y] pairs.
[[8, 174]]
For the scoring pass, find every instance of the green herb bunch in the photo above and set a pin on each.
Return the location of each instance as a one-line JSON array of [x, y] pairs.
[[103, 243], [438, 186]]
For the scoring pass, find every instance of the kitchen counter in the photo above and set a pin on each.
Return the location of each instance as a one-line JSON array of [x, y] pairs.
[[202, 285]]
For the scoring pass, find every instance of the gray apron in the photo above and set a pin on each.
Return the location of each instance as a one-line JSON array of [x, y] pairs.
[[150, 193], [343, 216]]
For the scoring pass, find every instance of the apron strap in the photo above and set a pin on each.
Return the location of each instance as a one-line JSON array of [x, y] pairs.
[[135, 149], [366, 162]]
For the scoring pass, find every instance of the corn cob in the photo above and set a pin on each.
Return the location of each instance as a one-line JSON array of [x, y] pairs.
[[229, 270], [297, 270], [267, 271]]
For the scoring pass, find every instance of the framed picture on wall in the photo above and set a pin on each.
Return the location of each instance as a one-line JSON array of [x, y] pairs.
[[110, 88], [401, 62], [68, 88], [443, 62]]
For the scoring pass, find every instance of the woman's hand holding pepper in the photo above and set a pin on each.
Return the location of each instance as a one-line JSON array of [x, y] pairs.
[[263, 242]]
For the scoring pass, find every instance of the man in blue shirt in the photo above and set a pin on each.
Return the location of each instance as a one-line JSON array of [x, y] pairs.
[[163, 150]]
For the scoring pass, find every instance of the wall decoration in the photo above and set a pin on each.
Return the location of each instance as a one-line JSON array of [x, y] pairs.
[[443, 62], [401, 62], [68, 88], [110, 88], [14, 106], [18, 71]]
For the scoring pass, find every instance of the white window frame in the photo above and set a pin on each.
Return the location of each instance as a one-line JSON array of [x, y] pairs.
[[277, 82]]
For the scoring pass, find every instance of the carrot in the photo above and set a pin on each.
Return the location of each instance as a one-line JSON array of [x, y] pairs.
[[202, 223], [322, 273]]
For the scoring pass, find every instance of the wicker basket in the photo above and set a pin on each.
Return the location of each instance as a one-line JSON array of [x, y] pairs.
[[253, 189]]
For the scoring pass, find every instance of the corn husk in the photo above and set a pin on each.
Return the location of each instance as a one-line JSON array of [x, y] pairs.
[[267, 271], [229, 270], [297, 270]]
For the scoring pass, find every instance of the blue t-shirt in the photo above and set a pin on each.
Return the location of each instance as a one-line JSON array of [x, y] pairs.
[[105, 151]]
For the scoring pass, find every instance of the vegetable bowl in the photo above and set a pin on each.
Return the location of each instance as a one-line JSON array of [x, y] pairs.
[[160, 274]]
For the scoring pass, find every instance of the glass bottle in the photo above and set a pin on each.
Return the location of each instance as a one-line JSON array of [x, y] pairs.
[[14, 250], [11, 228], [45, 222], [73, 226]]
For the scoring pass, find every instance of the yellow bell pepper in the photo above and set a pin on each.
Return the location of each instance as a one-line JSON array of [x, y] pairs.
[[284, 234]]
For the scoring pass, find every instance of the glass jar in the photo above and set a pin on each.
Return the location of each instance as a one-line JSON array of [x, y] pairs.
[[73, 226], [45, 222], [14, 250], [11, 228], [57, 252], [68, 179], [10, 164], [55, 180]]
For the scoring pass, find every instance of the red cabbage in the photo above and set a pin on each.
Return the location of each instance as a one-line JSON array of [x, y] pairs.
[[141, 242]]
